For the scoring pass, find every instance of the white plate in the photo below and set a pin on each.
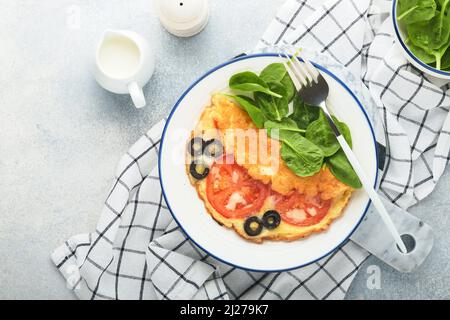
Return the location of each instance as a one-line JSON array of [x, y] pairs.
[[224, 244]]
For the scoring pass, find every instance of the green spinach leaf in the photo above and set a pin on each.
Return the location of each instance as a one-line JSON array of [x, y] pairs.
[[412, 11], [440, 4], [303, 113], [273, 108], [433, 57], [279, 128], [445, 60], [428, 39], [250, 82], [320, 133], [344, 130], [343, 170], [274, 72], [439, 56], [422, 54], [430, 35], [289, 86], [302, 156]]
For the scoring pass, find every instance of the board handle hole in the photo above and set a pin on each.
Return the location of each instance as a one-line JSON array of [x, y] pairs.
[[409, 241]]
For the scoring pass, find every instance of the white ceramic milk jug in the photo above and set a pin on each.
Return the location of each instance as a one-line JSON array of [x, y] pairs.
[[124, 63]]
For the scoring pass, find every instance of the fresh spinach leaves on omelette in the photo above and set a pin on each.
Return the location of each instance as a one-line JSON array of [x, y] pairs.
[[286, 195], [307, 139]]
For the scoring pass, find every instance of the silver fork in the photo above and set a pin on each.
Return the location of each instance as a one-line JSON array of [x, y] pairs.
[[313, 89]]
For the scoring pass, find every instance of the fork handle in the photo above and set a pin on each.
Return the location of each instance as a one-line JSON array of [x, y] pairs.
[[373, 195]]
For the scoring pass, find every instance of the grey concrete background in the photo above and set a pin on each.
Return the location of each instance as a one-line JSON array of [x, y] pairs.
[[61, 135]]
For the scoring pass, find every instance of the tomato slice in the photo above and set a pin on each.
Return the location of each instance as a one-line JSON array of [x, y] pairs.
[[232, 192], [300, 210]]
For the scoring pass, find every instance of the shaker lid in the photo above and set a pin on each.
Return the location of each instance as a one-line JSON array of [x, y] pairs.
[[181, 11]]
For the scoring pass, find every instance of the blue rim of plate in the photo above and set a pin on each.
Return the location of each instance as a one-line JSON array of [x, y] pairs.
[[405, 47], [251, 56]]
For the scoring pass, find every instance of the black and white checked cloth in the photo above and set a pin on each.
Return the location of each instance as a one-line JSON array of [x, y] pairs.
[[138, 252]]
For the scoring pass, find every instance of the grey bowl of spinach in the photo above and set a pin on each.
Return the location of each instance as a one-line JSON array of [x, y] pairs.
[[307, 140], [423, 29]]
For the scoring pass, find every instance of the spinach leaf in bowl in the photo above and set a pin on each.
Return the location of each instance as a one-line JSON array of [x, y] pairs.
[[439, 55], [441, 4], [428, 39], [430, 35], [422, 54], [445, 61], [412, 11]]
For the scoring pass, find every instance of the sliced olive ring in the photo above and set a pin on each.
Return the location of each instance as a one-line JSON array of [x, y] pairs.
[[253, 226], [213, 148], [198, 170], [196, 146], [271, 219]]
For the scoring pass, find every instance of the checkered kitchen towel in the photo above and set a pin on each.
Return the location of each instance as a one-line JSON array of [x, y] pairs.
[[138, 252]]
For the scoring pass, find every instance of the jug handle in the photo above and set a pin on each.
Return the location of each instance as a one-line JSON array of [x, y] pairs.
[[137, 95]]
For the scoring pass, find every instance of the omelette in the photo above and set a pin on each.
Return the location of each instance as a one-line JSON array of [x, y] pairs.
[[238, 173]]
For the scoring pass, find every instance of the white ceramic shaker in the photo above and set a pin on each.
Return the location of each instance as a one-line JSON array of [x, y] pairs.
[[183, 18]]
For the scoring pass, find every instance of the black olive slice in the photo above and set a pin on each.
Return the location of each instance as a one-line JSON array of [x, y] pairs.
[[196, 146], [213, 148], [253, 226], [198, 169], [271, 219]]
